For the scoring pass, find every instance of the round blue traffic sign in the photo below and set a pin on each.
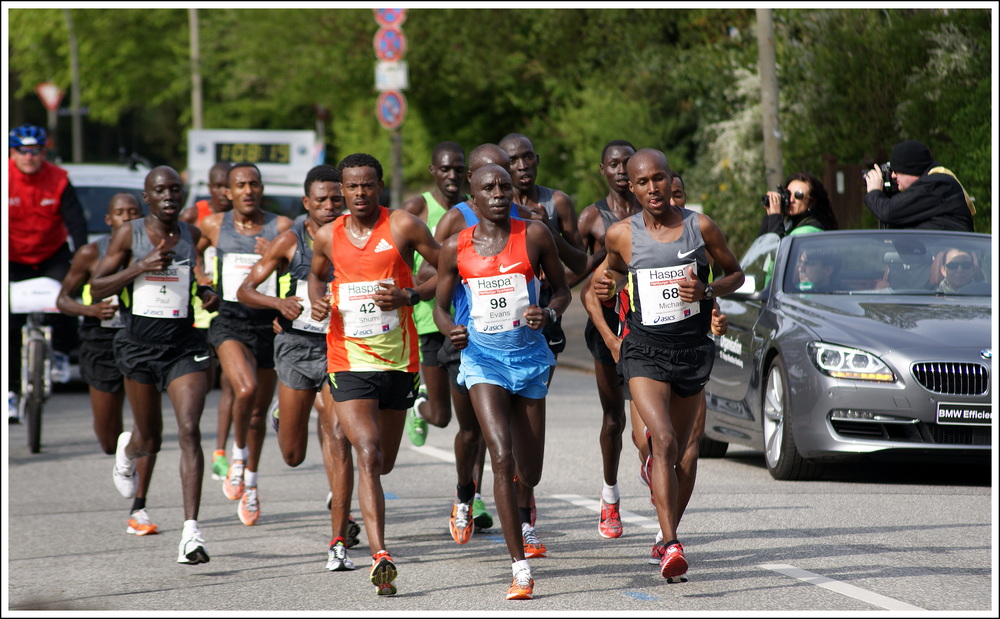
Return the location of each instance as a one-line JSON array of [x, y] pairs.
[[390, 17], [390, 44], [391, 109]]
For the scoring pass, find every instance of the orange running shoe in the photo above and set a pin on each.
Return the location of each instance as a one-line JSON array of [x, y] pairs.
[[383, 573], [533, 548], [139, 524], [521, 587], [232, 486], [249, 508], [460, 522]]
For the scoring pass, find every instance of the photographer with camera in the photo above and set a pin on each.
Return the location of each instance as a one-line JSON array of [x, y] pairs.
[[929, 196], [803, 206]]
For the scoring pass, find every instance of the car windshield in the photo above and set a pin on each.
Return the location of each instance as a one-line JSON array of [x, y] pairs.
[[890, 262]]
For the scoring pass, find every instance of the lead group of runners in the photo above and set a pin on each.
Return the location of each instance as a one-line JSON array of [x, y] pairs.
[[347, 308]]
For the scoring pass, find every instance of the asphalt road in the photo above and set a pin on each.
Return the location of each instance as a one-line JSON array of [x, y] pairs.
[[869, 537]]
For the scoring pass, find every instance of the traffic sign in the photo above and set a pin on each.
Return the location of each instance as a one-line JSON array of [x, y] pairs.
[[390, 17], [390, 43], [391, 75], [50, 94], [391, 109]]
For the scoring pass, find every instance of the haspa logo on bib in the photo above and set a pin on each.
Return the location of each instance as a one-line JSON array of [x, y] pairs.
[[656, 274], [493, 283], [366, 288]]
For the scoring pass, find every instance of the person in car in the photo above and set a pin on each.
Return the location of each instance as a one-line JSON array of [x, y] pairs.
[[817, 270], [956, 270]]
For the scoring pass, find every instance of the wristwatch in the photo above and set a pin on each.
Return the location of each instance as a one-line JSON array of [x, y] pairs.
[[553, 316], [709, 293], [414, 297]]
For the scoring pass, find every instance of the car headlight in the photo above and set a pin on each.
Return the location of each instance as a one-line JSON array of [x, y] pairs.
[[849, 363]]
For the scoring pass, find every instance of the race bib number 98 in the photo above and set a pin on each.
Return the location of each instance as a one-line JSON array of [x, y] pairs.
[[498, 302], [659, 295]]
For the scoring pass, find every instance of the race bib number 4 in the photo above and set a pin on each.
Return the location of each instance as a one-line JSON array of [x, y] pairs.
[[660, 295], [235, 268], [362, 317], [162, 294], [304, 322], [499, 302]]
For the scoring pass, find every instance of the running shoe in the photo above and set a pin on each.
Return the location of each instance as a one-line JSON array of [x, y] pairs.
[[353, 533], [274, 417], [192, 549], [140, 524], [416, 426], [656, 555], [383, 573], [249, 507], [220, 465], [460, 522], [337, 559], [673, 565], [480, 516], [610, 525], [126, 481], [232, 486], [521, 586], [533, 547]]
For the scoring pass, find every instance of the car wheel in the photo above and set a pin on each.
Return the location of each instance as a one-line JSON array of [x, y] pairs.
[[711, 448], [782, 457]]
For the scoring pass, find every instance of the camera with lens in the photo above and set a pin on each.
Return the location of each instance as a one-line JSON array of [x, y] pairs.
[[785, 197], [889, 186]]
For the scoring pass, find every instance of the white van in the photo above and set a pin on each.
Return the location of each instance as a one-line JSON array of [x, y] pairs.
[[283, 157]]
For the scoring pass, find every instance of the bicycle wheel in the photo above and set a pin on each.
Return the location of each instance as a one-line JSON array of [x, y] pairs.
[[35, 393]]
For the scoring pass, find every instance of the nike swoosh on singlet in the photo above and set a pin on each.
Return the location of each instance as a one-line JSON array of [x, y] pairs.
[[199, 359], [685, 254], [504, 269]]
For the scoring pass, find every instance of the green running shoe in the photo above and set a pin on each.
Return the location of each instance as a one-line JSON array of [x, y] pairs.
[[481, 517], [416, 426], [220, 465]]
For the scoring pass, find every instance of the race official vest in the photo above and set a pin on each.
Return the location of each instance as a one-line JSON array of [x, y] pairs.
[[35, 224]]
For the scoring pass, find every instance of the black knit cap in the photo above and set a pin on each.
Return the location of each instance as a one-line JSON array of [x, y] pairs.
[[911, 157]]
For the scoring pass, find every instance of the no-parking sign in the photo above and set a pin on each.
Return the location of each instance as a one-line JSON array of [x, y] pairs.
[[390, 17], [389, 43], [390, 107]]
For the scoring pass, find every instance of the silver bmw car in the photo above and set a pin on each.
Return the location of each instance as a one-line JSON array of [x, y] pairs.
[[852, 343]]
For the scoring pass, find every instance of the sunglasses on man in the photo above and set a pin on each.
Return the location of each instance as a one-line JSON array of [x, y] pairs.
[[29, 150]]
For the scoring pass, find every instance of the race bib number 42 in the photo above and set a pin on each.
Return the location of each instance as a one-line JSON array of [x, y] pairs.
[[660, 295], [162, 294], [362, 317]]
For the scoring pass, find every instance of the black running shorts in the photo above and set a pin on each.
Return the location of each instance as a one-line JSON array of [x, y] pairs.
[[259, 338], [430, 344], [393, 389], [155, 363], [97, 360], [450, 359], [686, 367]]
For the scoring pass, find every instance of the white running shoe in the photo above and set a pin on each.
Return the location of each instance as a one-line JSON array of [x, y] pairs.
[[192, 549], [337, 559], [126, 481]]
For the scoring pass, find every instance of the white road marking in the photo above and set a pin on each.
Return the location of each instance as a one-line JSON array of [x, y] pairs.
[[839, 587]]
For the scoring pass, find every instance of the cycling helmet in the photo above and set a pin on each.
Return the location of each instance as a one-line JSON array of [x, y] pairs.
[[27, 135]]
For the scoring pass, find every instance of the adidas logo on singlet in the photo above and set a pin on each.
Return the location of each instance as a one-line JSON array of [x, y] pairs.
[[383, 245]]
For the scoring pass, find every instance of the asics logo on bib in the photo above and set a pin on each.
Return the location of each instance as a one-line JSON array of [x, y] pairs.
[[504, 269], [383, 245], [200, 358], [685, 254]]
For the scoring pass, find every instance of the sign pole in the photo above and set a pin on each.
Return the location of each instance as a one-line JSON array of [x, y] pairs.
[[397, 168], [390, 79]]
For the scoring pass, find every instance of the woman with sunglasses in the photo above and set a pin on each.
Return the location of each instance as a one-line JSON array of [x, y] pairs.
[[808, 208], [956, 270]]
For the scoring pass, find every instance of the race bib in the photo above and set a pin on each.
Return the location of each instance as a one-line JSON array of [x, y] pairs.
[[162, 294], [116, 321], [210, 253], [304, 322], [498, 302], [660, 295], [362, 317], [235, 268]]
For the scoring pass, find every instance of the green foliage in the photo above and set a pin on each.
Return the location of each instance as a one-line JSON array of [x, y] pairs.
[[852, 83]]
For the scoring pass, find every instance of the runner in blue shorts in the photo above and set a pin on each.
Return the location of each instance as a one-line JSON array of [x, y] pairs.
[[505, 358]]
